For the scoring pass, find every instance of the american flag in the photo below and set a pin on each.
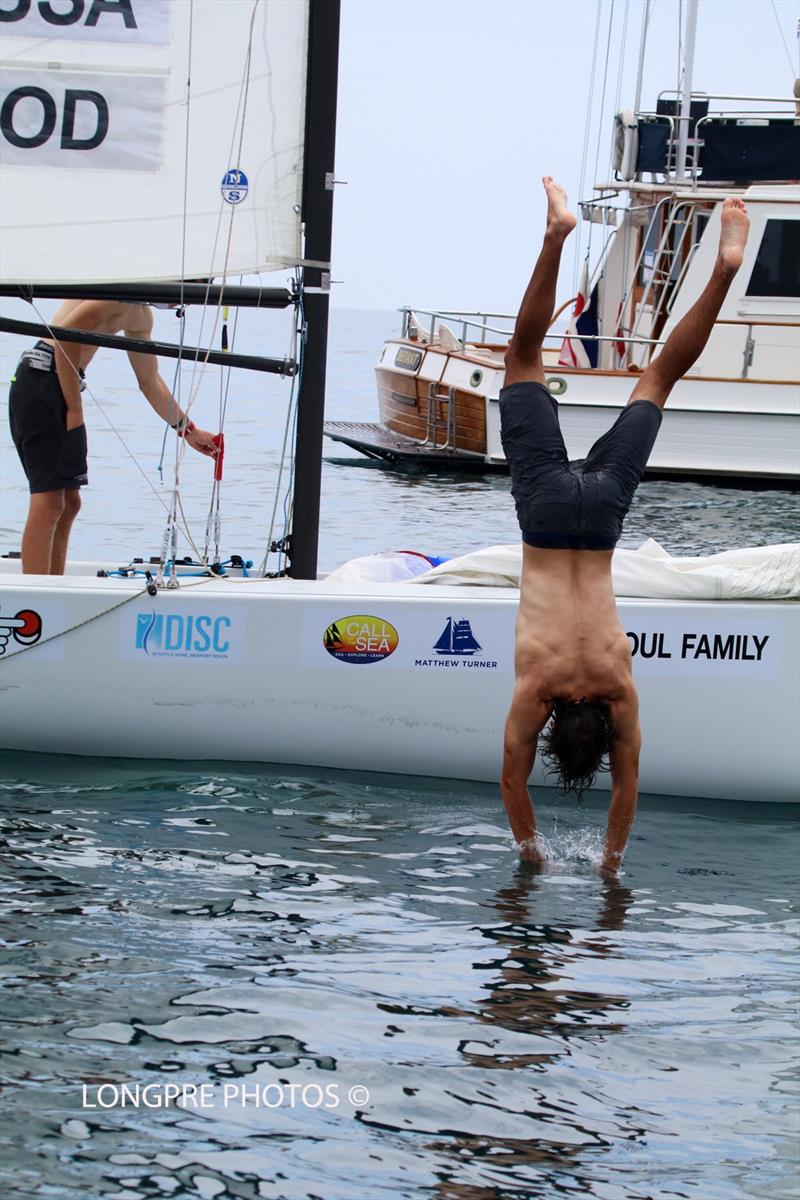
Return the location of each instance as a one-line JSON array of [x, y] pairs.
[[575, 351]]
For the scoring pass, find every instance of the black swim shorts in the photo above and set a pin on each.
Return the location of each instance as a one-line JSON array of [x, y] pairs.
[[52, 456], [563, 505]]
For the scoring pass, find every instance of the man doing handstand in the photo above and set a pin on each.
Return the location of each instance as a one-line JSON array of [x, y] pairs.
[[573, 660]]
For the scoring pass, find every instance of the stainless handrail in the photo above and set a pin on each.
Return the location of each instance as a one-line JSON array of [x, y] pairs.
[[728, 96], [629, 339]]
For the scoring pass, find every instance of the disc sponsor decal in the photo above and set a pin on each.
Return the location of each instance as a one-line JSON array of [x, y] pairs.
[[148, 635], [360, 639]]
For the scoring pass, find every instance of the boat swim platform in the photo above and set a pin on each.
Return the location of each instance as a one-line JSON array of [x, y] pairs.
[[377, 442], [382, 444]]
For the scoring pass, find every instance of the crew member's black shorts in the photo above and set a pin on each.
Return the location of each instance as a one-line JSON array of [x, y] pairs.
[[563, 505], [52, 456]]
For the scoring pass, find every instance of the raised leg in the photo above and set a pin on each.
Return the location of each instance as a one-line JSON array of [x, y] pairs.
[[44, 514], [689, 337], [524, 354]]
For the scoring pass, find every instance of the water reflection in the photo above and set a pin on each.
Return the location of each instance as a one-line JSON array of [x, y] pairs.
[[521, 1033], [529, 993]]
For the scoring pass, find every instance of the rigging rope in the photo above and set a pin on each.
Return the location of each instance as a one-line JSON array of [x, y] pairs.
[[618, 92], [213, 523], [601, 112], [297, 353], [794, 69], [585, 152]]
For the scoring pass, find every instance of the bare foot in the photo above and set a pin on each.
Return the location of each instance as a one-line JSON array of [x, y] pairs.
[[559, 219], [733, 235]]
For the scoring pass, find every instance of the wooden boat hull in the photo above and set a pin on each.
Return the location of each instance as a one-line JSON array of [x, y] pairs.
[[713, 428]]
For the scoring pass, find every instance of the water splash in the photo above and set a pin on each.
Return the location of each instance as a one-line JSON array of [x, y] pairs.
[[567, 847]]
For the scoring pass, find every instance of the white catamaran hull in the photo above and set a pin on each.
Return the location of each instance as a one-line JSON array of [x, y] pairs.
[[324, 674]]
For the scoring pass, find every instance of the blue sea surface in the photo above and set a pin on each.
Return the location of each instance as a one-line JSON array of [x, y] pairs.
[[381, 1001], [365, 506], [397, 1007]]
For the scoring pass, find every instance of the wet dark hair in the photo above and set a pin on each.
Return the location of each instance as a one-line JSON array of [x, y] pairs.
[[577, 743]]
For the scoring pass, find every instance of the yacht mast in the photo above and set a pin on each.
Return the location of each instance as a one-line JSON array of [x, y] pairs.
[[686, 90], [642, 45], [320, 143]]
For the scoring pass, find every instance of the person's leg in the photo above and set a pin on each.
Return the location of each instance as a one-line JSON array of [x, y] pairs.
[[44, 514], [72, 505], [689, 337], [524, 354]]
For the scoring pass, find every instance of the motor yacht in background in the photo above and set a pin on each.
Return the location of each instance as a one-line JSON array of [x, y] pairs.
[[736, 415]]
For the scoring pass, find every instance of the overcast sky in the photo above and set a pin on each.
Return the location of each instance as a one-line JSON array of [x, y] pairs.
[[451, 110]]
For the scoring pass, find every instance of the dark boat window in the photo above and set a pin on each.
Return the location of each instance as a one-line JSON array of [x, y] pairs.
[[777, 269]]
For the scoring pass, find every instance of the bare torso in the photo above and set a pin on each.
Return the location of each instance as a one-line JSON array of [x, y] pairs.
[[570, 643], [135, 319]]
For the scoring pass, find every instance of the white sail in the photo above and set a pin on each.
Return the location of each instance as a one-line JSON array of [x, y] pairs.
[[108, 174]]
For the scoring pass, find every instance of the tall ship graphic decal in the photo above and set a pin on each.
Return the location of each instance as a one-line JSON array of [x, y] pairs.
[[457, 638]]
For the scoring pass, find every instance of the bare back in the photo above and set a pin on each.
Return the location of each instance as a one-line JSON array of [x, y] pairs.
[[569, 640], [135, 319]]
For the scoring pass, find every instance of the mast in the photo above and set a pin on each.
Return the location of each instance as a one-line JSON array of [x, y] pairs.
[[642, 46], [320, 144], [686, 92]]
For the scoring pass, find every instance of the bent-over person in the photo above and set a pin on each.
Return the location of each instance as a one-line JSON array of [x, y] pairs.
[[47, 427]]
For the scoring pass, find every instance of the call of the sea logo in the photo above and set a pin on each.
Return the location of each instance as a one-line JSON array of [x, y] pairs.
[[360, 639]]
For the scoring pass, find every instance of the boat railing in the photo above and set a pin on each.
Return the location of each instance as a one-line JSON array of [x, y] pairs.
[[556, 338], [410, 316], [691, 127], [478, 321], [745, 118], [553, 336], [750, 342]]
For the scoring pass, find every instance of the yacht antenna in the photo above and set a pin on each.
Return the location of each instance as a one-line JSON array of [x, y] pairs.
[[686, 90]]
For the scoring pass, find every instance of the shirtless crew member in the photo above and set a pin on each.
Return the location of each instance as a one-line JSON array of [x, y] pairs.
[[46, 419], [573, 661]]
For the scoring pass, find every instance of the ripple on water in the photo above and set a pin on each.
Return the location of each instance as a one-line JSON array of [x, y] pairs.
[[515, 1032]]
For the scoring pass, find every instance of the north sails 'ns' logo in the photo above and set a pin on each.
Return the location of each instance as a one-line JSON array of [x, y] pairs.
[[25, 627]]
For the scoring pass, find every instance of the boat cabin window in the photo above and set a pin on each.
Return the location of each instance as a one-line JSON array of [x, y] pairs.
[[777, 269]]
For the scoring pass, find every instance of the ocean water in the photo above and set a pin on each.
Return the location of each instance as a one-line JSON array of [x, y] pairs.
[[375, 1000], [365, 507], [369, 995]]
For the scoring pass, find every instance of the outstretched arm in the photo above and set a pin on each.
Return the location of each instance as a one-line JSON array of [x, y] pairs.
[[158, 395], [624, 788], [525, 721]]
